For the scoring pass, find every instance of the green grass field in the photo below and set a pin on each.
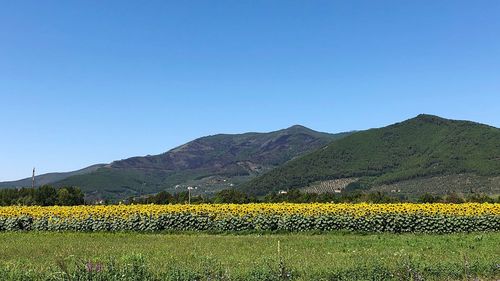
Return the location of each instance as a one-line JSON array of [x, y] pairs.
[[242, 257]]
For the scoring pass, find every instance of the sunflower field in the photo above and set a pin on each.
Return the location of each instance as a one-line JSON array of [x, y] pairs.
[[284, 217]]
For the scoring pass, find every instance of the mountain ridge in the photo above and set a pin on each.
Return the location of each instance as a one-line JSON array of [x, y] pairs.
[[394, 157], [211, 162]]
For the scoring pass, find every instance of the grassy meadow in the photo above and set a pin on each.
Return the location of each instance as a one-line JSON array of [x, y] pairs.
[[198, 256]]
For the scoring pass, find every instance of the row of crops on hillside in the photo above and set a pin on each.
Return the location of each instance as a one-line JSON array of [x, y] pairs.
[[284, 217], [329, 186]]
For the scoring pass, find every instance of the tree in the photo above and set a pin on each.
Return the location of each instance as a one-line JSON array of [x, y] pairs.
[[77, 196], [429, 198], [64, 197], [231, 196], [162, 197], [454, 198], [46, 196], [379, 197]]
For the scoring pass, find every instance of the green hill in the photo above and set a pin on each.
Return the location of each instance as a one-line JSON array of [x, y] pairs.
[[210, 163], [420, 148]]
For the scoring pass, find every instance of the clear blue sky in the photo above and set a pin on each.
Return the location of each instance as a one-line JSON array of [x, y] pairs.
[[84, 82]]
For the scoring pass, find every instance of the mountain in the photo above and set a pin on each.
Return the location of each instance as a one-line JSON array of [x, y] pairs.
[[423, 154], [49, 178], [210, 163]]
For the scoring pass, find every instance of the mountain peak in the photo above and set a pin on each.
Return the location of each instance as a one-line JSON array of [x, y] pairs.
[[429, 119], [436, 120], [297, 127], [426, 117]]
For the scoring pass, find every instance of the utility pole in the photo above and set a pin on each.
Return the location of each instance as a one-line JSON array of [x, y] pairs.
[[33, 179], [189, 193]]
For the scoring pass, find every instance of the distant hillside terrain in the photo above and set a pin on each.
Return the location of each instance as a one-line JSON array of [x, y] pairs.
[[210, 163], [49, 178], [407, 154]]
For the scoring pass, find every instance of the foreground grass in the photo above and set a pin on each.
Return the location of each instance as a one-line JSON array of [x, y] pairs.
[[300, 256]]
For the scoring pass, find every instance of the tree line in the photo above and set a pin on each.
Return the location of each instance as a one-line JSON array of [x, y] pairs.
[[296, 196], [70, 196], [42, 196]]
